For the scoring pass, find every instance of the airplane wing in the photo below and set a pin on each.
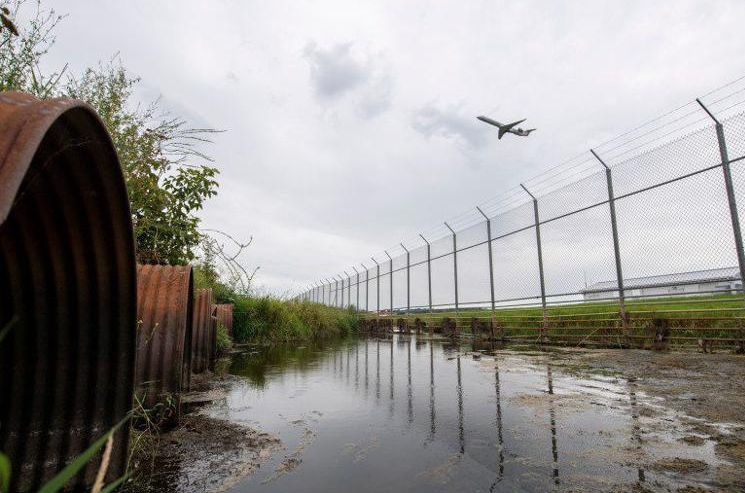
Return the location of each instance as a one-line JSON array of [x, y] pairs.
[[503, 129], [488, 120]]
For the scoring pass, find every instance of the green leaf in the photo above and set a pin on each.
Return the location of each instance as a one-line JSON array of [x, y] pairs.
[[4, 473], [114, 485], [59, 481]]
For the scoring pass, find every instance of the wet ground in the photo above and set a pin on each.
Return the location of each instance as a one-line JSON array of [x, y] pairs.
[[413, 414]]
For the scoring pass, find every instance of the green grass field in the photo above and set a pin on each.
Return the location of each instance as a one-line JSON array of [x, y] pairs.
[[715, 318]]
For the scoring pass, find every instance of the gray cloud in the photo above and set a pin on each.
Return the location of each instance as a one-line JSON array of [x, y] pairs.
[[344, 69], [450, 123], [334, 71]]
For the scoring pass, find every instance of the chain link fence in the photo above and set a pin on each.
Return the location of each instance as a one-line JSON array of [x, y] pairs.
[[622, 239]]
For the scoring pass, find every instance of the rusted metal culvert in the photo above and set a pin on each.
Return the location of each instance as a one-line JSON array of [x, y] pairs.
[[224, 314], [67, 289], [204, 341], [164, 334]]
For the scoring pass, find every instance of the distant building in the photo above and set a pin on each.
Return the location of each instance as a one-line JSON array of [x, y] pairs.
[[724, 280]]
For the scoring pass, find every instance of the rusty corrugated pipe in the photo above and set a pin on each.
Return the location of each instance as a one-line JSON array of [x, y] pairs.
[[164, 331], [203, 337], [67, 278], [224, 313]]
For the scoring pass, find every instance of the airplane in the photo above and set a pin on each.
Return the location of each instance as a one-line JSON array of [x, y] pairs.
[[507, 127]]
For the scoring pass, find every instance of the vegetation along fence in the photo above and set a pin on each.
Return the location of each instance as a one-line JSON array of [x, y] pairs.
[[635, 242]]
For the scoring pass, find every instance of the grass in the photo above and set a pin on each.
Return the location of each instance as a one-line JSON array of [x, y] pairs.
[[268, 319], [713, 317]]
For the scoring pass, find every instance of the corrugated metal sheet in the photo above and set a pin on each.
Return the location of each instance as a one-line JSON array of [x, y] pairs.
[[67, 276], [203, 342], [224, 313], [164, 330]]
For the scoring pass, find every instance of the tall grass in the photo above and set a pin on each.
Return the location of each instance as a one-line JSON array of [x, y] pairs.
[[267, 319]]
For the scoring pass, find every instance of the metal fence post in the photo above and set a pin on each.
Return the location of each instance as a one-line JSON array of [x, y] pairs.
[[491, 267], [377, 285], [357, 303], [616, 248], [734, 216], [544, 329], [349, 289], [323, 293], [330, 302], [336, 293], [341, 305], [455, 266], [390, 280], [429, 271], [408, 279], [367, 288]]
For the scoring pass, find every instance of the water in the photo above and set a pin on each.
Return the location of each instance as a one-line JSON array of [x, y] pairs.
[[414, 414]]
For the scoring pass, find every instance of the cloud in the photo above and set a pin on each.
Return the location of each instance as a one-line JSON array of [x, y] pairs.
[[451, 124], [344, 69]]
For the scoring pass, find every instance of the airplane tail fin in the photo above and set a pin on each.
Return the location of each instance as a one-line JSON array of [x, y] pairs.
[[507, 127], [527, 132]]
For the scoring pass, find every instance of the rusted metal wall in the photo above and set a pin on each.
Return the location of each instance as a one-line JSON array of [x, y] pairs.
[[203, 342], [224, 313], [164, 331], [67, 279]]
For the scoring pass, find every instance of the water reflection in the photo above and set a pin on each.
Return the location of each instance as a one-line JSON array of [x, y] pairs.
[[469, 422]]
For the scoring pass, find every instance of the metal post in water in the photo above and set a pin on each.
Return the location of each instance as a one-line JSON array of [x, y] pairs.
[[455, 266], [616, 247], [544, 330], [429, 271], [734, 216]]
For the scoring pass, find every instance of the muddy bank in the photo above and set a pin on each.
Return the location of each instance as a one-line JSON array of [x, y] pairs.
[[202, 454], [704, 393]]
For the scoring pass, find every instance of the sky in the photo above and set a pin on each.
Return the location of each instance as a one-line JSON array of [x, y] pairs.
[[350, 126]]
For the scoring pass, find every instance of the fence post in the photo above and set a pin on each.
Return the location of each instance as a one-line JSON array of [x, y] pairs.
[[377, 285], [341, 305], [390, 280], [323, 293], [616, 249], [429, 271], [408, 279], [349, 289], [544, 329], [367, 288], [734, 216], [330, 302], [491, 268], [357, 303], [455, 267]]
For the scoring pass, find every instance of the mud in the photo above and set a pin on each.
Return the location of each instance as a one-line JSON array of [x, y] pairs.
[[705, 391], [203, 453]]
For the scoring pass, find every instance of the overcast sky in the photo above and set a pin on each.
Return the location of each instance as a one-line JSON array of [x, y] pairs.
[[350, 125]]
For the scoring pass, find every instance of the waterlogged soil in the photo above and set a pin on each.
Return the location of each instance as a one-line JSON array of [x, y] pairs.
[[416, 414]]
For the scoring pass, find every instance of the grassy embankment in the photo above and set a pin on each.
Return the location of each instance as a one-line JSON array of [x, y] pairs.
[[269, 319], [712, 316]]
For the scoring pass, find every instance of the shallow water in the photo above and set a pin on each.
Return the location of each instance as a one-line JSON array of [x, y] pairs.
[[409, 413]]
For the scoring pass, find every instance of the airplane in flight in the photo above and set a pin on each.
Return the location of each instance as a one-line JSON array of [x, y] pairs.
[[507, 127]]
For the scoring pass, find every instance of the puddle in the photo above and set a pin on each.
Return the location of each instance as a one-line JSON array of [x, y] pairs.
[[425, 415]]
